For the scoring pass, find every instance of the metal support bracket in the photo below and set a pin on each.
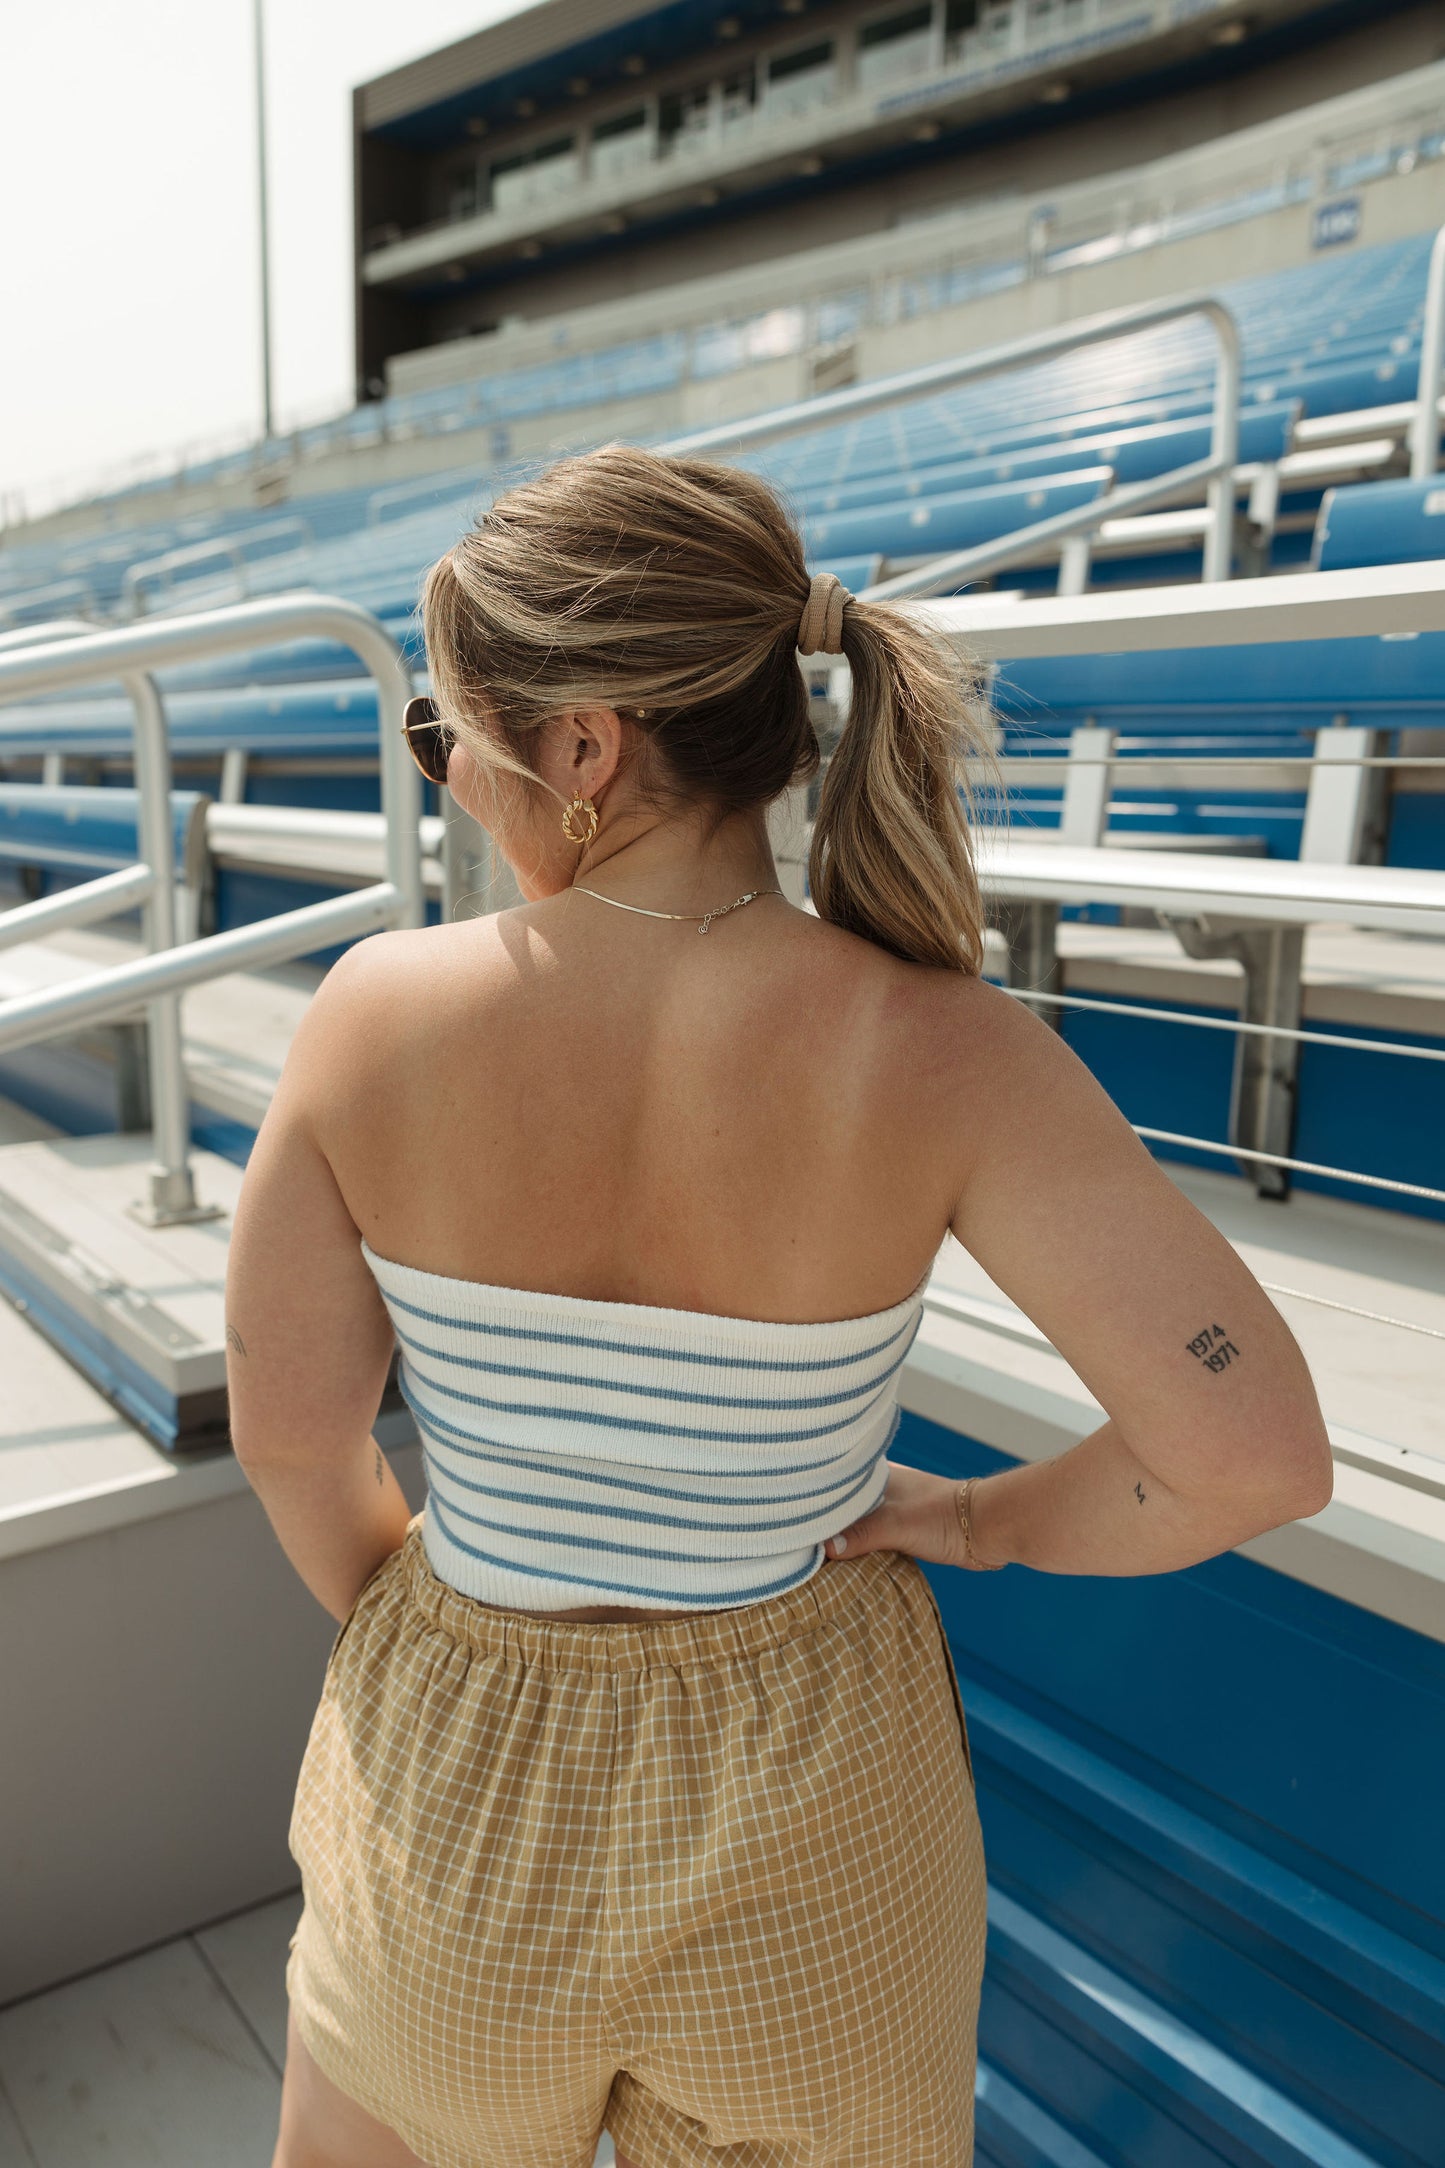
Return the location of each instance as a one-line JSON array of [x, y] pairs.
[[1347, 808], [1031, 930], [132, 1076], [1264, 1094]]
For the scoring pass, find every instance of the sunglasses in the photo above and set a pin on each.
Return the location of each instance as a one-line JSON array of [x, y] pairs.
[[428, 737]]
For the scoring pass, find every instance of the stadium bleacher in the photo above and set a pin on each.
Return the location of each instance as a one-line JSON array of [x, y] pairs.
[[1333, 339], [1211, 1798]]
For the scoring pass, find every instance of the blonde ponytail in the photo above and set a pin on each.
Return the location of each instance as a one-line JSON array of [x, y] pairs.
[[677, 592], [891, 858]]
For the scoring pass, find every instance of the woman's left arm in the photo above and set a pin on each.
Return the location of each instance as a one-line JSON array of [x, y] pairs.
[[308, 1339]]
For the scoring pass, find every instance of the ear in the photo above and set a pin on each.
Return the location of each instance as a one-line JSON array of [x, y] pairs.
[[589, 744]]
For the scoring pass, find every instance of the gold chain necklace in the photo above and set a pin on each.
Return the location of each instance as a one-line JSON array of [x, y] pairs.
[[706, 917]]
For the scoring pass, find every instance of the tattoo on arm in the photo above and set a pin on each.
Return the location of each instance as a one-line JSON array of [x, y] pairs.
[[233, 1339], [1139, 1492], [1212, 1347], [380, 1467]]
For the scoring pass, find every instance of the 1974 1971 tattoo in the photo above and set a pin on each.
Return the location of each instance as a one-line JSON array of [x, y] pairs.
[[1213, 1348]]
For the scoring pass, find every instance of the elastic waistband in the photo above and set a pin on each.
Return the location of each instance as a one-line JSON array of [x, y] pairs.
[[838, 1587]]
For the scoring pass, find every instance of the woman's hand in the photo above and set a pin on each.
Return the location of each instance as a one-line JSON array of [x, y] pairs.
[[918, 1513]]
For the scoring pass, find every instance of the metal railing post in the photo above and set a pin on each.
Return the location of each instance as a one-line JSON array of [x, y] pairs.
[[1084, 813], [1346, 804], [1223, 443], [172, 1191], [131, 654], [1264, 1090], [859, 399], [1425, 428]]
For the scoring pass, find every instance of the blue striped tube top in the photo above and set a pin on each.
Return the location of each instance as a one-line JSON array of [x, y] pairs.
[[583, 1452]]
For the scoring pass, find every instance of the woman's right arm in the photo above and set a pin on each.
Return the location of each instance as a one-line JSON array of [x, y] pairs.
[[1214, 1433]]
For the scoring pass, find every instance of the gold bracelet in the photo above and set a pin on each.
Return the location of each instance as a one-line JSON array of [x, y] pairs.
[[962, 1498]]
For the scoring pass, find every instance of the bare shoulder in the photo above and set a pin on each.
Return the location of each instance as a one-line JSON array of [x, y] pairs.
[[976, 1039], [383, 996], [394, 972], [984, 1071]]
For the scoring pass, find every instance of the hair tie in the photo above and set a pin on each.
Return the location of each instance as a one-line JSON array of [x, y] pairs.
[[820, 628]]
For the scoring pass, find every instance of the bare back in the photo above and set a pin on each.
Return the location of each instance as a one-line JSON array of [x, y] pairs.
[[559, 1099]]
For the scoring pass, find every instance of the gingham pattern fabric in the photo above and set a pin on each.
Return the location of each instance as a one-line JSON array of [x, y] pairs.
[[715, 1884], [587, 1452]]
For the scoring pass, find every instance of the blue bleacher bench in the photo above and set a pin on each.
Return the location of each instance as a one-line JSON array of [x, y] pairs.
[[1380, 523], [304, 719], [1136, 454], [957, 520], [84, 831]]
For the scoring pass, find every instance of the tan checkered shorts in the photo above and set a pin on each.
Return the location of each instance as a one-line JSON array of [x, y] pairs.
[[713, 1884]]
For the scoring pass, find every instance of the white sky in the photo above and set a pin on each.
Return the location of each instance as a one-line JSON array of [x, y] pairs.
[[128, 222]]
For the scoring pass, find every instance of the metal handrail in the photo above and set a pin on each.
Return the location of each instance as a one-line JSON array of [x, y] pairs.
[[1425, 425], [1373, 600], [131, 654], [1251, 910], [1025, 543], [859, 399], [197, 553], [88, 903], [51, 628]]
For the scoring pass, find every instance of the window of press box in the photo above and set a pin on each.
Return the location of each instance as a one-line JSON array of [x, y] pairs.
[[803, 62], [620, 124], [622, 141], [737, 95], [799, 81], [684, 115], [886, 29], [960, 16], [534, 175], [893, 48]]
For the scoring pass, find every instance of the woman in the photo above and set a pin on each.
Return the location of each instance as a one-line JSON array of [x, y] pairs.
[[639, 1794]]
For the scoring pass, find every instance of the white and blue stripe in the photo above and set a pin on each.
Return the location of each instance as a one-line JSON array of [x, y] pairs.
[[582, 1452]]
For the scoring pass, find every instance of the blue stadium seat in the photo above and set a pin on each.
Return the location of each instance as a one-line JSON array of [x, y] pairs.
[[1136, 454], [1393, 684], [1380, 523], [1267, 700], [955, 520], [318, 720], [856, 573], [83, 831]]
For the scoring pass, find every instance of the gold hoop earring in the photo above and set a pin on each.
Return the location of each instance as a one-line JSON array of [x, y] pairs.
[[588, 810]]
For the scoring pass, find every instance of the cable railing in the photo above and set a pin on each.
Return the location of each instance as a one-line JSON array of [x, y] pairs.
[[158, 978], [1251, 912]]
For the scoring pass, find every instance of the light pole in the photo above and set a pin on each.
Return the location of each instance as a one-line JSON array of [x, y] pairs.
[[260, 47]]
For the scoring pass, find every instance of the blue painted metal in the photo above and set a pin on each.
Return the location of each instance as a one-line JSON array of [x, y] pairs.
[[856, 573], [1175, 1077], [953, 520], [1136, 454], [1217, 1909], [1381, 523], [84, 830], [296, 719], [1300, 681], [1263, 700]]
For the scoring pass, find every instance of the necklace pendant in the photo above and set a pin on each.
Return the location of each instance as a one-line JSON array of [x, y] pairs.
[[706, 922]]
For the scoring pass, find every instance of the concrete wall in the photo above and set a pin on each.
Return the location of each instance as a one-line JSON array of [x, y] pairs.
[[159, 1683]]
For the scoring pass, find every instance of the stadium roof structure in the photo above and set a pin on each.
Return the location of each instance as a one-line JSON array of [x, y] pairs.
[[597, 133]]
